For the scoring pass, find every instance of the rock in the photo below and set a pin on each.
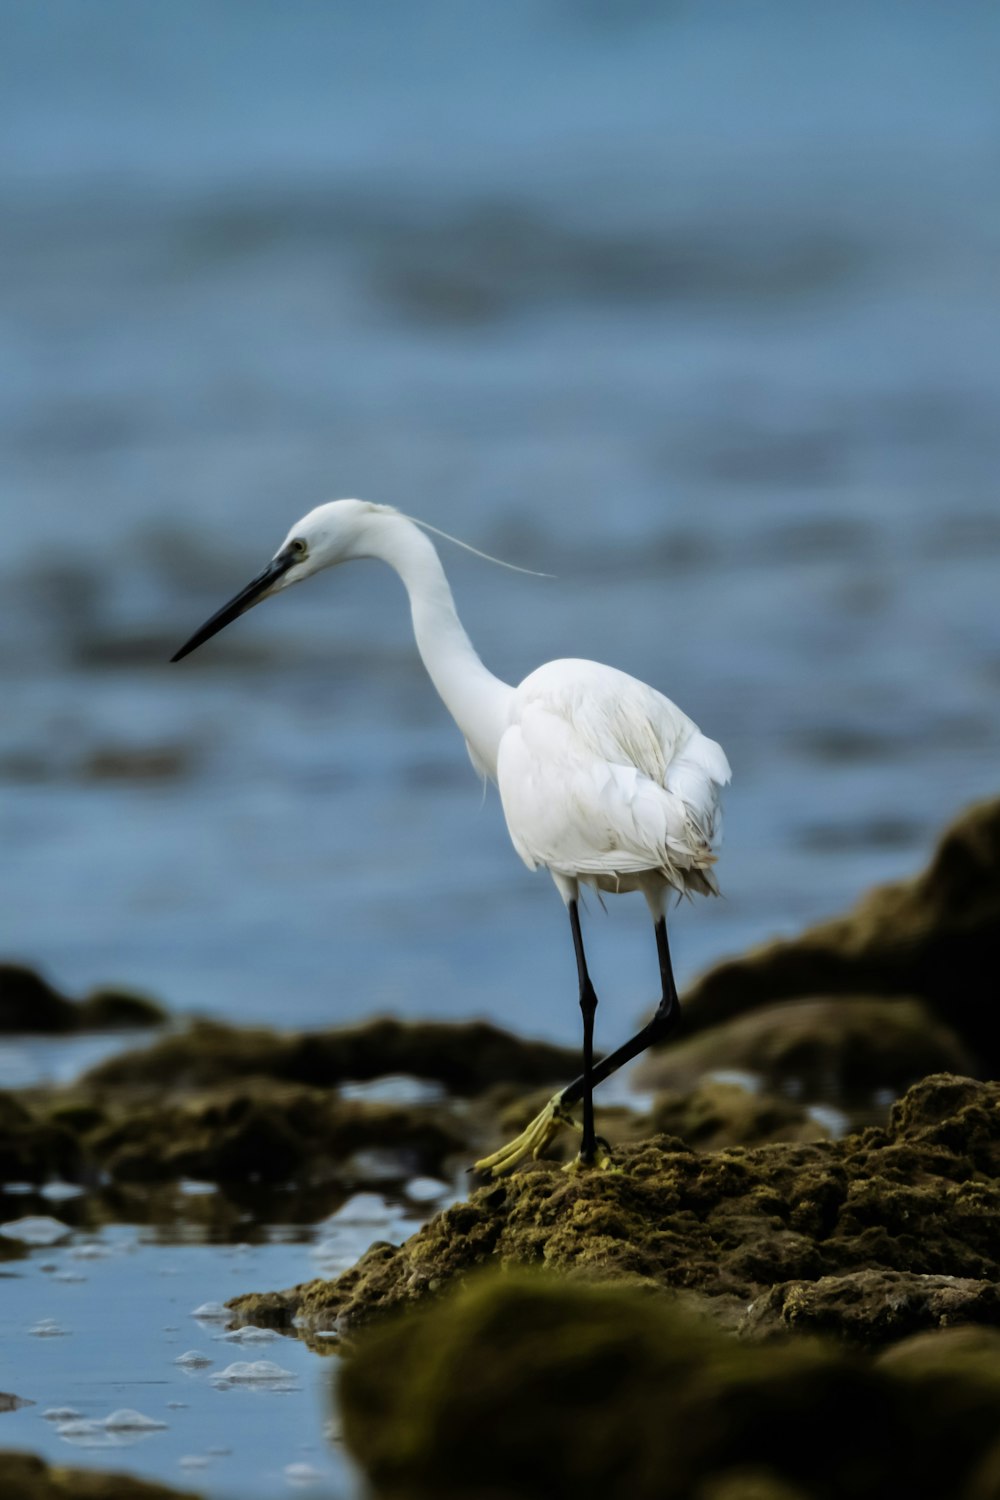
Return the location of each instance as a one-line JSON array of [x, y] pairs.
[[272, 1132], [28, 1003], [465, 1057], [871, 1308], [534, 1386], [956, 1374], [936, 937], [32, 1149], [10, 1402], [222, 1105], [748, 1482], [706, 1114], [715, 1114], [921, 1196], [847, 1050], [263, 1132], [118, 1010], [24, 1477]]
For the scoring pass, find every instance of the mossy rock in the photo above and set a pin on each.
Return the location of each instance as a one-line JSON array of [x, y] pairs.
[[466, 1058], [532, 1386], [270, 1132], [921, 1196], [707, 1114], [843, 1049], [256, 1131], [935, 937], [28, 1003], [716, 1113], [118, 1010], [32, 1149], [956, 1375], [25, 1477], [874, 1307]]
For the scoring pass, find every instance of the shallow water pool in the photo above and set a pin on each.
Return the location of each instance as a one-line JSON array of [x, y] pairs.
[[103, 1325]]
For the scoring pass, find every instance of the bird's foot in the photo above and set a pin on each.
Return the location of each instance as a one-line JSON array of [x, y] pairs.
[[532, 1141], [602, 1160]]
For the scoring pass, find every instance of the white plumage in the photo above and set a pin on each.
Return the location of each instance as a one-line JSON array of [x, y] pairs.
[[603, 781]]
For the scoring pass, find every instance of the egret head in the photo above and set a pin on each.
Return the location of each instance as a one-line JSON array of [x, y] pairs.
[[330, 534]]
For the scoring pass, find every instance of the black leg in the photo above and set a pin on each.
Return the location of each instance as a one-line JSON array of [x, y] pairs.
[[555, 1115], [666, 1017], [588, 1005]]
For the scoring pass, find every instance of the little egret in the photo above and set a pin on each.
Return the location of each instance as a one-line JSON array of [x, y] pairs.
[[603, 781]]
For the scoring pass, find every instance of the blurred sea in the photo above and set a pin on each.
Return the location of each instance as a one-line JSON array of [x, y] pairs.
[[692, 306]]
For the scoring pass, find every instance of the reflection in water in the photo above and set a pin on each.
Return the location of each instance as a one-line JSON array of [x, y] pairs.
[[125, 1372]]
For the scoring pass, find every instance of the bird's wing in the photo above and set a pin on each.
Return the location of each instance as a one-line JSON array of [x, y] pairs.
[[600, 774]]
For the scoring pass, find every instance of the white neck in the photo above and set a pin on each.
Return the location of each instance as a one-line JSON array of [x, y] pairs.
[[477, 701]]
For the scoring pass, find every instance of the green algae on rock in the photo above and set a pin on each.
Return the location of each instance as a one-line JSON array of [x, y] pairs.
[[227, 1105], [921, 1196], [957, 1374], [935, 937], [848, 1049], [25, 1477], [534, 1386], [33, 1149], [272, 1132], [465, 1057], [717, 1113], [870, 1308], [251, 1131], [708, 1113], [28, 1003]]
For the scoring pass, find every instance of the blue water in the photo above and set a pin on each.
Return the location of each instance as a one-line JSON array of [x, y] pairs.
[[121, 1317], [692, 307]]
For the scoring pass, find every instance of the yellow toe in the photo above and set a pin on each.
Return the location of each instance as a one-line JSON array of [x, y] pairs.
[[531, 1142]]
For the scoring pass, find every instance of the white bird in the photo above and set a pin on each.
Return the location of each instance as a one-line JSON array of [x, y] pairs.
[[604, 782]]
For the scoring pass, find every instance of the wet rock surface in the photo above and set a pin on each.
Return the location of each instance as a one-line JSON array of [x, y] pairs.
[[261, 1133], [872, 1307], [935, 937], [771, 1260], [717, 1113], [921, 1196], [852, 1050], [34, 1148], [28, 1003], [241, 1108], [537, 1386], [24, 1477], [465, 1058]]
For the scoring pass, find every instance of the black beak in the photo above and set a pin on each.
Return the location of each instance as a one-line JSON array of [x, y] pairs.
[[244, 600]]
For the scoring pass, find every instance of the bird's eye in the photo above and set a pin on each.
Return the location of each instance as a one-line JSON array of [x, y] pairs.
[[299, 548]]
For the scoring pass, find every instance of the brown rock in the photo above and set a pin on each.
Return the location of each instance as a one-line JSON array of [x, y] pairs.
[[936, 937], [28, 1003], [24, 1477], [871, 1308], [533, 1386], [922, 1196], [843, 1049], [34, 1149], [272, 1132], [715, 1114], [465, 1057]]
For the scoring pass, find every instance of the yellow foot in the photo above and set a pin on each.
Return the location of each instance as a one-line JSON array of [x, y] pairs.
[[531, 1142], [603, 1160]]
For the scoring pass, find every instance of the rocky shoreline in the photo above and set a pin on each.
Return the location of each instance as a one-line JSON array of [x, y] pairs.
[[787, 1286], [28, 1478], [888, 1215]]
